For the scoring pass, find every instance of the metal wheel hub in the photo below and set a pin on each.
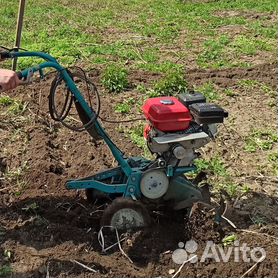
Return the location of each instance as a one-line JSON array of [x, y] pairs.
[[154, 184], [127, 218]]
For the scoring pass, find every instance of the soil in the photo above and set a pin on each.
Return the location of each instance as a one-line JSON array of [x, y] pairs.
[[46, 227]]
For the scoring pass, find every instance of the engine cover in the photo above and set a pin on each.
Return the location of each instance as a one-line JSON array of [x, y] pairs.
[[167, 114]]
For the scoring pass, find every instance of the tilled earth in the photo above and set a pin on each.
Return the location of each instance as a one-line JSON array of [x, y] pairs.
[[46, 228]]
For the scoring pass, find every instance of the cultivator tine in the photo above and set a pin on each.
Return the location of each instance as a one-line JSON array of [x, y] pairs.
[[225, 210], [199, 206], [205, 189]]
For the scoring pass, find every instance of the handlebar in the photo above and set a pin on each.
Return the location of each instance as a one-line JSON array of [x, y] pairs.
[[4, 55], [26, 74], [17, 54], [51, 62]]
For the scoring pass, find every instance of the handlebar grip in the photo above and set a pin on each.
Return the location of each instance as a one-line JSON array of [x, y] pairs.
[[4, 55]]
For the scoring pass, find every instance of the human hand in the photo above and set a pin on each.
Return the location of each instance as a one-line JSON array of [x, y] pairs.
[[8, 80]]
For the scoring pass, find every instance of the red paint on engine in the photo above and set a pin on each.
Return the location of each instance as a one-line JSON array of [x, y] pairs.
[[147, 130], [167, 113]]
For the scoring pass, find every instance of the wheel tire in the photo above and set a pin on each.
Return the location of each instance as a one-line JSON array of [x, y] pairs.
[[125, 214]]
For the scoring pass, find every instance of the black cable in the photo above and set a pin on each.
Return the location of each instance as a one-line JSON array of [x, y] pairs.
[[70, 100], [100, 117], [60, 117], [121, 121], [13, 49], [4, 47], [92, 121], [18, 48], [66, 107]]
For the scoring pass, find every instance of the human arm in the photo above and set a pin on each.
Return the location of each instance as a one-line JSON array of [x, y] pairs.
[[8, 80]]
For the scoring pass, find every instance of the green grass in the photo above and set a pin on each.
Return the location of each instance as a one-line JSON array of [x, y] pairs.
[[160, 66], [149, 35], [172, 83], [250, 46], [227, 51], [233, 189], [213, 54], [6, 100], [14, 107], [209, 91], [125, 106], [220, 176], [5, 271], [16, 178], [214, 165], [229, 92], [114, 78], [259, 28], [136, 135], [157, 36], [250, 84], [260, 139], [272, 159], [229, 240]]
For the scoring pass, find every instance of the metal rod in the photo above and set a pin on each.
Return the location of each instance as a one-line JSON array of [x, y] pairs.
[[19, 29]]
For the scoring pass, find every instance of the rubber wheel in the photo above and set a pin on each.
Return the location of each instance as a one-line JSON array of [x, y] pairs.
[[125, 214]]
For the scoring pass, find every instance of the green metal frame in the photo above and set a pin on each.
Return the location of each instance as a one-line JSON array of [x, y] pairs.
[[124, 179]]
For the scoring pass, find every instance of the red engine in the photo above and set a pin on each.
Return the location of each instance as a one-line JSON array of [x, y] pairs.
[[178, 126], [167, 114]]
